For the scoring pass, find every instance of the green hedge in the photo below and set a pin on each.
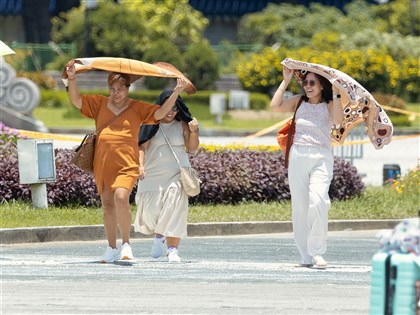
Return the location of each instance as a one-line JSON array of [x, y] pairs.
[[200, 100]]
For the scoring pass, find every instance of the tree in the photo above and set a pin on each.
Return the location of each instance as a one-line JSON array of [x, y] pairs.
[[128, 29], [162, 50], [174, 20], [402, 16], [201, 64]]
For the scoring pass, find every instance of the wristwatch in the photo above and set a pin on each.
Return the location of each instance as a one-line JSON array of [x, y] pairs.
[[337, 96]]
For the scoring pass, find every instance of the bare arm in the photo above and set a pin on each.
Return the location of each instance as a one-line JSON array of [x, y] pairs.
[[336, 110], [170, 102], [72, 85], [142, 153], [278, 104], [191, 135]]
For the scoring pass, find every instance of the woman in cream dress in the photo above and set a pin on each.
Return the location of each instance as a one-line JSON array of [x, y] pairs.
[[162, 205]]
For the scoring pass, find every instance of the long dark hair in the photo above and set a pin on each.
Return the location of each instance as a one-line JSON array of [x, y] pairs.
[[183, 114], [326, 93]]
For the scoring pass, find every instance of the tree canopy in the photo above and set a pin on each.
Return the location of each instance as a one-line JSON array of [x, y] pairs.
[[128, 29]]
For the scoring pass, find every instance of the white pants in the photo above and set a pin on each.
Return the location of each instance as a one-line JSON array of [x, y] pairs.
[[310, 174]]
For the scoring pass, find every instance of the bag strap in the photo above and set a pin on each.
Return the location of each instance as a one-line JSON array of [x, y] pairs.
[[113, 118], [167, 141], [289, 135]]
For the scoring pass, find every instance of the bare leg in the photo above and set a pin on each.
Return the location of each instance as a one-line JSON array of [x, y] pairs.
[[110, 216], [173, 241], [122, 204]]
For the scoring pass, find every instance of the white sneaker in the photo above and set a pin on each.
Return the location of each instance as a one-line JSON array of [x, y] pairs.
[[158, 247], [319, 262], [111, 255], [126, 252], [173, 256]]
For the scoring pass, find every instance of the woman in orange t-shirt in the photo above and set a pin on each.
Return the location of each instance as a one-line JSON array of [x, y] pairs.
[[116, 162]]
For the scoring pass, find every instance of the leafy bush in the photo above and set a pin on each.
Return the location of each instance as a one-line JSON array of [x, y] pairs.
[[400, 121], [347, 182], [162, 50], [72, 185], [373, 69], [228, 177], [397, 118], [390, 100], [202, 65], [55, 99], [233, 176], [41, 80], [10, 189], [259, 101], [409, 183]]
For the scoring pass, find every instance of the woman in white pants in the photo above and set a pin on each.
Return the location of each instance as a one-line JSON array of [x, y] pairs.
[[310, 169]]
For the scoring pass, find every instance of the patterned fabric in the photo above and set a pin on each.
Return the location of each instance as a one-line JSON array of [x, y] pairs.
[[403, 239], [358, 104], [135, 68]]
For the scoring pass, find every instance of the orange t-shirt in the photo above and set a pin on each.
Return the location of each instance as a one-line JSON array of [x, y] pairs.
[[116, 162]]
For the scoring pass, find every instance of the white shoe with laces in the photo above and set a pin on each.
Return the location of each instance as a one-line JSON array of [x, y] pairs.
[[110, 255], [126, 252], [319, 262], [173, 256]]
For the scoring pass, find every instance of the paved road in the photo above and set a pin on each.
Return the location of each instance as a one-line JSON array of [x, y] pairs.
[[254, 274]]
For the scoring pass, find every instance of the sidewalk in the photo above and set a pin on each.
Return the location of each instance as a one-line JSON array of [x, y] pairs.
[[96, 232]]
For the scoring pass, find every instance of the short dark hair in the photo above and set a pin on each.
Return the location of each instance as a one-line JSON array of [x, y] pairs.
[[123, 78]]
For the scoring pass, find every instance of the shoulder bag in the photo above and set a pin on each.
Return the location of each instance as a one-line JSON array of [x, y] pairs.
[[286, 133], [190, 181]]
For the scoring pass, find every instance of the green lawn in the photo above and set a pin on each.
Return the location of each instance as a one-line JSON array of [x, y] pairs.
[[375, 203], [59, 117]]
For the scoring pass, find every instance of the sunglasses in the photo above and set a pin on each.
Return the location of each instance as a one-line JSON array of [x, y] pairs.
[[175, 108], [310, 82]]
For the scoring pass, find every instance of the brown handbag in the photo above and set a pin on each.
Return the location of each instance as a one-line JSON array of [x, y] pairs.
[[84, 154], [286, 133]]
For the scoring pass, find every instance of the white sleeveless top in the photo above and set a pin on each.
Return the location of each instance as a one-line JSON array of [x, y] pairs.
[[162, 169], [313, 125]]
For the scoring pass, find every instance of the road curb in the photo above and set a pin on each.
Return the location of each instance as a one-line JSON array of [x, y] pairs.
[[96, 232]]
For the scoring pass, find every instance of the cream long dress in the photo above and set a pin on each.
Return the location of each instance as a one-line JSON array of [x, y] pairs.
[[162, 205]]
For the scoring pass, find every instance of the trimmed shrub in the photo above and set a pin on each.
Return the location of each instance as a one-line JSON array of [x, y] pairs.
[[72, 185], [233, 176], [55, 99], [10, 189], [228, 177]]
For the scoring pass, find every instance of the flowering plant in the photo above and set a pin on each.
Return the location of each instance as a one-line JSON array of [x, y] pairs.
[[408, 183], [8, 134]]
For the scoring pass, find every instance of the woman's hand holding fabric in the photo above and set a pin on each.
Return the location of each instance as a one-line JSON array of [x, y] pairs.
[[287, 74], [71, 70], [193, 125]]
